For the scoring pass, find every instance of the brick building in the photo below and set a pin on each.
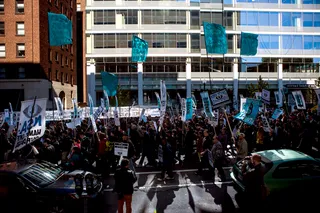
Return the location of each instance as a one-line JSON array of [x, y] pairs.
[[29, 67]]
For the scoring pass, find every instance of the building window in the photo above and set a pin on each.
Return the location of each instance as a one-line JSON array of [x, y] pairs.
[[62, 60], [21, 52], [19, 6], [1, 6], [71, 63], [57, 57], [71, 4], [49, 74], [2, 29], [61, 78], [20, 28], [50, 55], [22, 73], [2, 73], [2, 50], [67, 78], [67, 61], [61, 8], [57, 76], [71, 80], [56, 2]]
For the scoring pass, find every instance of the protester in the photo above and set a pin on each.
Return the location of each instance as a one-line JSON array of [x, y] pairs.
[[124, 180]]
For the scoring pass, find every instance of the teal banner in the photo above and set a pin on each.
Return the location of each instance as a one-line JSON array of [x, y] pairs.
[[189, 106], [207, 108], [249, 111], [109, 83], [60, 29], [90, 104], [215, 38], [249, 44]]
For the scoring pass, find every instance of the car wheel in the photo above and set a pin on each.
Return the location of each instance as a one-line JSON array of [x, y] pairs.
[[56, 208]]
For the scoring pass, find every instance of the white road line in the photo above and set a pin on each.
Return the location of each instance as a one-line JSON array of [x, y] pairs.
[[159, 186], [179, 170]]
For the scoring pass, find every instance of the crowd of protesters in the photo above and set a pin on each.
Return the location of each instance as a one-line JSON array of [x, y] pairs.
[[82, 147]]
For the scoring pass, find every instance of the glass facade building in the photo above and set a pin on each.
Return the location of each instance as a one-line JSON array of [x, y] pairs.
[[288, 48]]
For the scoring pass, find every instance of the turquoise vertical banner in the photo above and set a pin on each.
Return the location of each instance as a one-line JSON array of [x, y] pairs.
[[139, 49], [158, 100], [116, 101], [194, 100], [276, 114], [249, 44], [215, 38], [75, 108], [189, 108], [207, 108], [109, 83], [107, 100], [249, 111], [90, 104], [60, 29]]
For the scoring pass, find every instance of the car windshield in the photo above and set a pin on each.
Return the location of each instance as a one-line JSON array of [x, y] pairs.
[[42, 174]]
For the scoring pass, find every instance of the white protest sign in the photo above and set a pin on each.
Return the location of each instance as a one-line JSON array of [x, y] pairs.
[[265, 123], [93, 122], [121, 149], [116, 118]]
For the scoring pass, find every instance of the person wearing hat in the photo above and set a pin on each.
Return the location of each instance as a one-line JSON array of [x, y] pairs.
[[131, 150], [242, 147]]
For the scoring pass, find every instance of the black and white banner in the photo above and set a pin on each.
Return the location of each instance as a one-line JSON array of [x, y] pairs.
[[183, 109], [32, 123], [220, 99], [298, 97], [265, 123], [59, 106], [163, 101], [276, 95], [265, 96]]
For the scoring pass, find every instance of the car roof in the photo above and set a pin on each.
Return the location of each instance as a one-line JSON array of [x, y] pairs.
[[16, 166], [280, 155]]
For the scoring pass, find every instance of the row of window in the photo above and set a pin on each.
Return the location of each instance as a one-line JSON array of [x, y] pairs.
[[63, 60], [60, 76], [244, 18], [20, 50], [20, 29], [56, 2], [230, 1], [19, 6], [179, 40], [271, 19]]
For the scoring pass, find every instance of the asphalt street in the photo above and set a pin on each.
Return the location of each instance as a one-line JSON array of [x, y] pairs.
[[188, 193]]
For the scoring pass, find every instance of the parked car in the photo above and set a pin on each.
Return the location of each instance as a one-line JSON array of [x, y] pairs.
[[287, 173], [42, 187]]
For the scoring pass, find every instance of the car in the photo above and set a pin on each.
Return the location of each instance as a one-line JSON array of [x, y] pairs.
[[40, 186], [287, 172]]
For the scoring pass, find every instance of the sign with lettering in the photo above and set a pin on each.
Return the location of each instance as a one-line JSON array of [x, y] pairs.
[[32, 123], [121, 149]]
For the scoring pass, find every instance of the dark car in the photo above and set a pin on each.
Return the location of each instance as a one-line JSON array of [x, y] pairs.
[[42, 187]]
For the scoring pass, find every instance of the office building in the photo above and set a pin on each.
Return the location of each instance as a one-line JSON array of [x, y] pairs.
[[288, 51], [29, 67]]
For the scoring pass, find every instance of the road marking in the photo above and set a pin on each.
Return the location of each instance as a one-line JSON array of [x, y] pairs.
[[159, 186], [179, 170]]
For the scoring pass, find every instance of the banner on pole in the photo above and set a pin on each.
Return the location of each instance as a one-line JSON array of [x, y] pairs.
[[32, 125]]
